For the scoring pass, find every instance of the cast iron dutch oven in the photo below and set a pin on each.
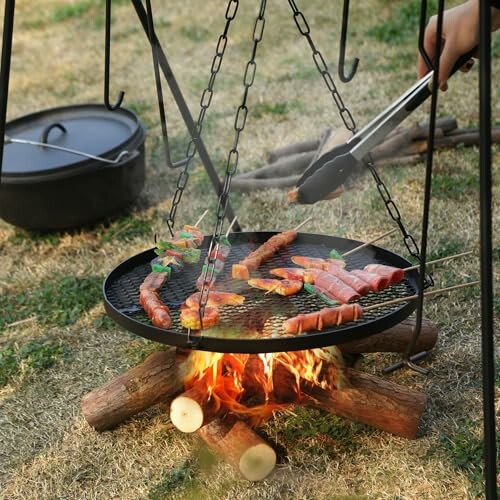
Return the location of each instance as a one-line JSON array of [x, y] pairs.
[[50, 189]]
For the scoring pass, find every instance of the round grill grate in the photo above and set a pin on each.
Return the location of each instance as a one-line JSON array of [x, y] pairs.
[[257, 325]]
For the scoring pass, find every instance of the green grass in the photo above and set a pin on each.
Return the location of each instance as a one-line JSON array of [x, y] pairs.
[[464, 449], [277, 109], [70, 10], [37, 354], [182, 476], [402, 24], [316, 432], [57, 301], [455, 186], [195, 33]]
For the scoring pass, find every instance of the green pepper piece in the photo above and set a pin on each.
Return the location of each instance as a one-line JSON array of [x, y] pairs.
[[334, 254], [314, 291]]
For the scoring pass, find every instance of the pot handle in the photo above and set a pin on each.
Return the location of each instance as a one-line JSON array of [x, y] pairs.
[[123, 157], [44, 136]]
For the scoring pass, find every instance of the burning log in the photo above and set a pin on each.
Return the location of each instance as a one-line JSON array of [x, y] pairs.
[[239, 445], [145, 385], [371, 400], [193, 408], [395, 339]]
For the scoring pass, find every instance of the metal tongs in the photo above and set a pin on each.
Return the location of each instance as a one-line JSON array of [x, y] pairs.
[[333, 168]]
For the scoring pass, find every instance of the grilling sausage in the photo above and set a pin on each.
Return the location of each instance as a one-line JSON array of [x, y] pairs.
[[393, 274], [316, 262], [252, 261], [324, 318], [157, 311]]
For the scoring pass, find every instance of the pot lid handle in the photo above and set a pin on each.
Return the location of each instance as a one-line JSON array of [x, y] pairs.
[[44, 136]]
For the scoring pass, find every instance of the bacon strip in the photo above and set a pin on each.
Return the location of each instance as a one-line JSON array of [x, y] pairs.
[[324, 318], [253, 260], [393, 274], [375, 281], [334, 286], [352, 280]]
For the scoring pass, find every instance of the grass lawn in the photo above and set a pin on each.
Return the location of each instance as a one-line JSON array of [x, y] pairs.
[[67, 345]]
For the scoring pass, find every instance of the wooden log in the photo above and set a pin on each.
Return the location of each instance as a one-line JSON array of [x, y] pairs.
[[290, 149], [240, 446], [132, 392], [253, 391], [371, 400], [249, 184], [193, 408], [395, 339], [284, 167]]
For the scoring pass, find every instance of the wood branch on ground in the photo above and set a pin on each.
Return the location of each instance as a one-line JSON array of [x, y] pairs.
[[395, 339], [145, 385], [240, 446]]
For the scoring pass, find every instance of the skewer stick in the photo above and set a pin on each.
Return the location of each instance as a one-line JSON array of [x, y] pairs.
[[202, 216], [302, 223], [230, 226], [426, 294], [355, 249], [417, 266]]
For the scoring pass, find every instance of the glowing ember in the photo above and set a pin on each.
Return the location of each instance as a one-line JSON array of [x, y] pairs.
[[253, 386]]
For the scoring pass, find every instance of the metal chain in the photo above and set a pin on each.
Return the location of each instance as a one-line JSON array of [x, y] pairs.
[[350, 124], [205, 101], [232, 162]]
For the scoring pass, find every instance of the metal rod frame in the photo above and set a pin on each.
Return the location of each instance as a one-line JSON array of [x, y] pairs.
[[485, 177]]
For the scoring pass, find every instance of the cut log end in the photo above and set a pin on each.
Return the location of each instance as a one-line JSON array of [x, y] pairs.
[[257, 462], [186, 414]]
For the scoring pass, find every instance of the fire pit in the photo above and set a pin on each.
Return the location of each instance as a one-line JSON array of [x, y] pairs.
[[223, 396]]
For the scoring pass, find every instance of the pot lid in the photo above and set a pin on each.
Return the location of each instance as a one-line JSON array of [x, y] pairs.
[[89, 128]]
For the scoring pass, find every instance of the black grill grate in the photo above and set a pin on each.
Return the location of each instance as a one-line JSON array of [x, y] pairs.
[[256, 325]]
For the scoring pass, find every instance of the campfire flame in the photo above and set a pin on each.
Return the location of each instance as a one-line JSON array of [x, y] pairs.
[[254, 386]]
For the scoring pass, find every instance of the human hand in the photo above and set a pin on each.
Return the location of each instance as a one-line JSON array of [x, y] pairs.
[[460, 35]]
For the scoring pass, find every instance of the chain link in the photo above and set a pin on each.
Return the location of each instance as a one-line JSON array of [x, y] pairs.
[[350, 124], [232, 163], [205, 101]]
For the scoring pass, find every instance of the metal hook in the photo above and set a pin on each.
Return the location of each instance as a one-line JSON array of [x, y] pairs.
[[107, 50], [343, 42], [421, 32]]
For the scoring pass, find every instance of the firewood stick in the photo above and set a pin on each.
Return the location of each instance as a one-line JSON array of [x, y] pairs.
[[193, 408], [297, 147], [374, 240], [400, 160], [285, 166], [371, 400], [395, 339], [132, 392], [247, 185], [237, 443], [303, 223]]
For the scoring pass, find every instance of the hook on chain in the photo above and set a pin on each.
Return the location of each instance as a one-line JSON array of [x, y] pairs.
[[343, 42], [107, 58]]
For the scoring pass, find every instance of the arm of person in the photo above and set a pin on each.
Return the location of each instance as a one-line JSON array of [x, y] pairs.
[[460, 35]]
